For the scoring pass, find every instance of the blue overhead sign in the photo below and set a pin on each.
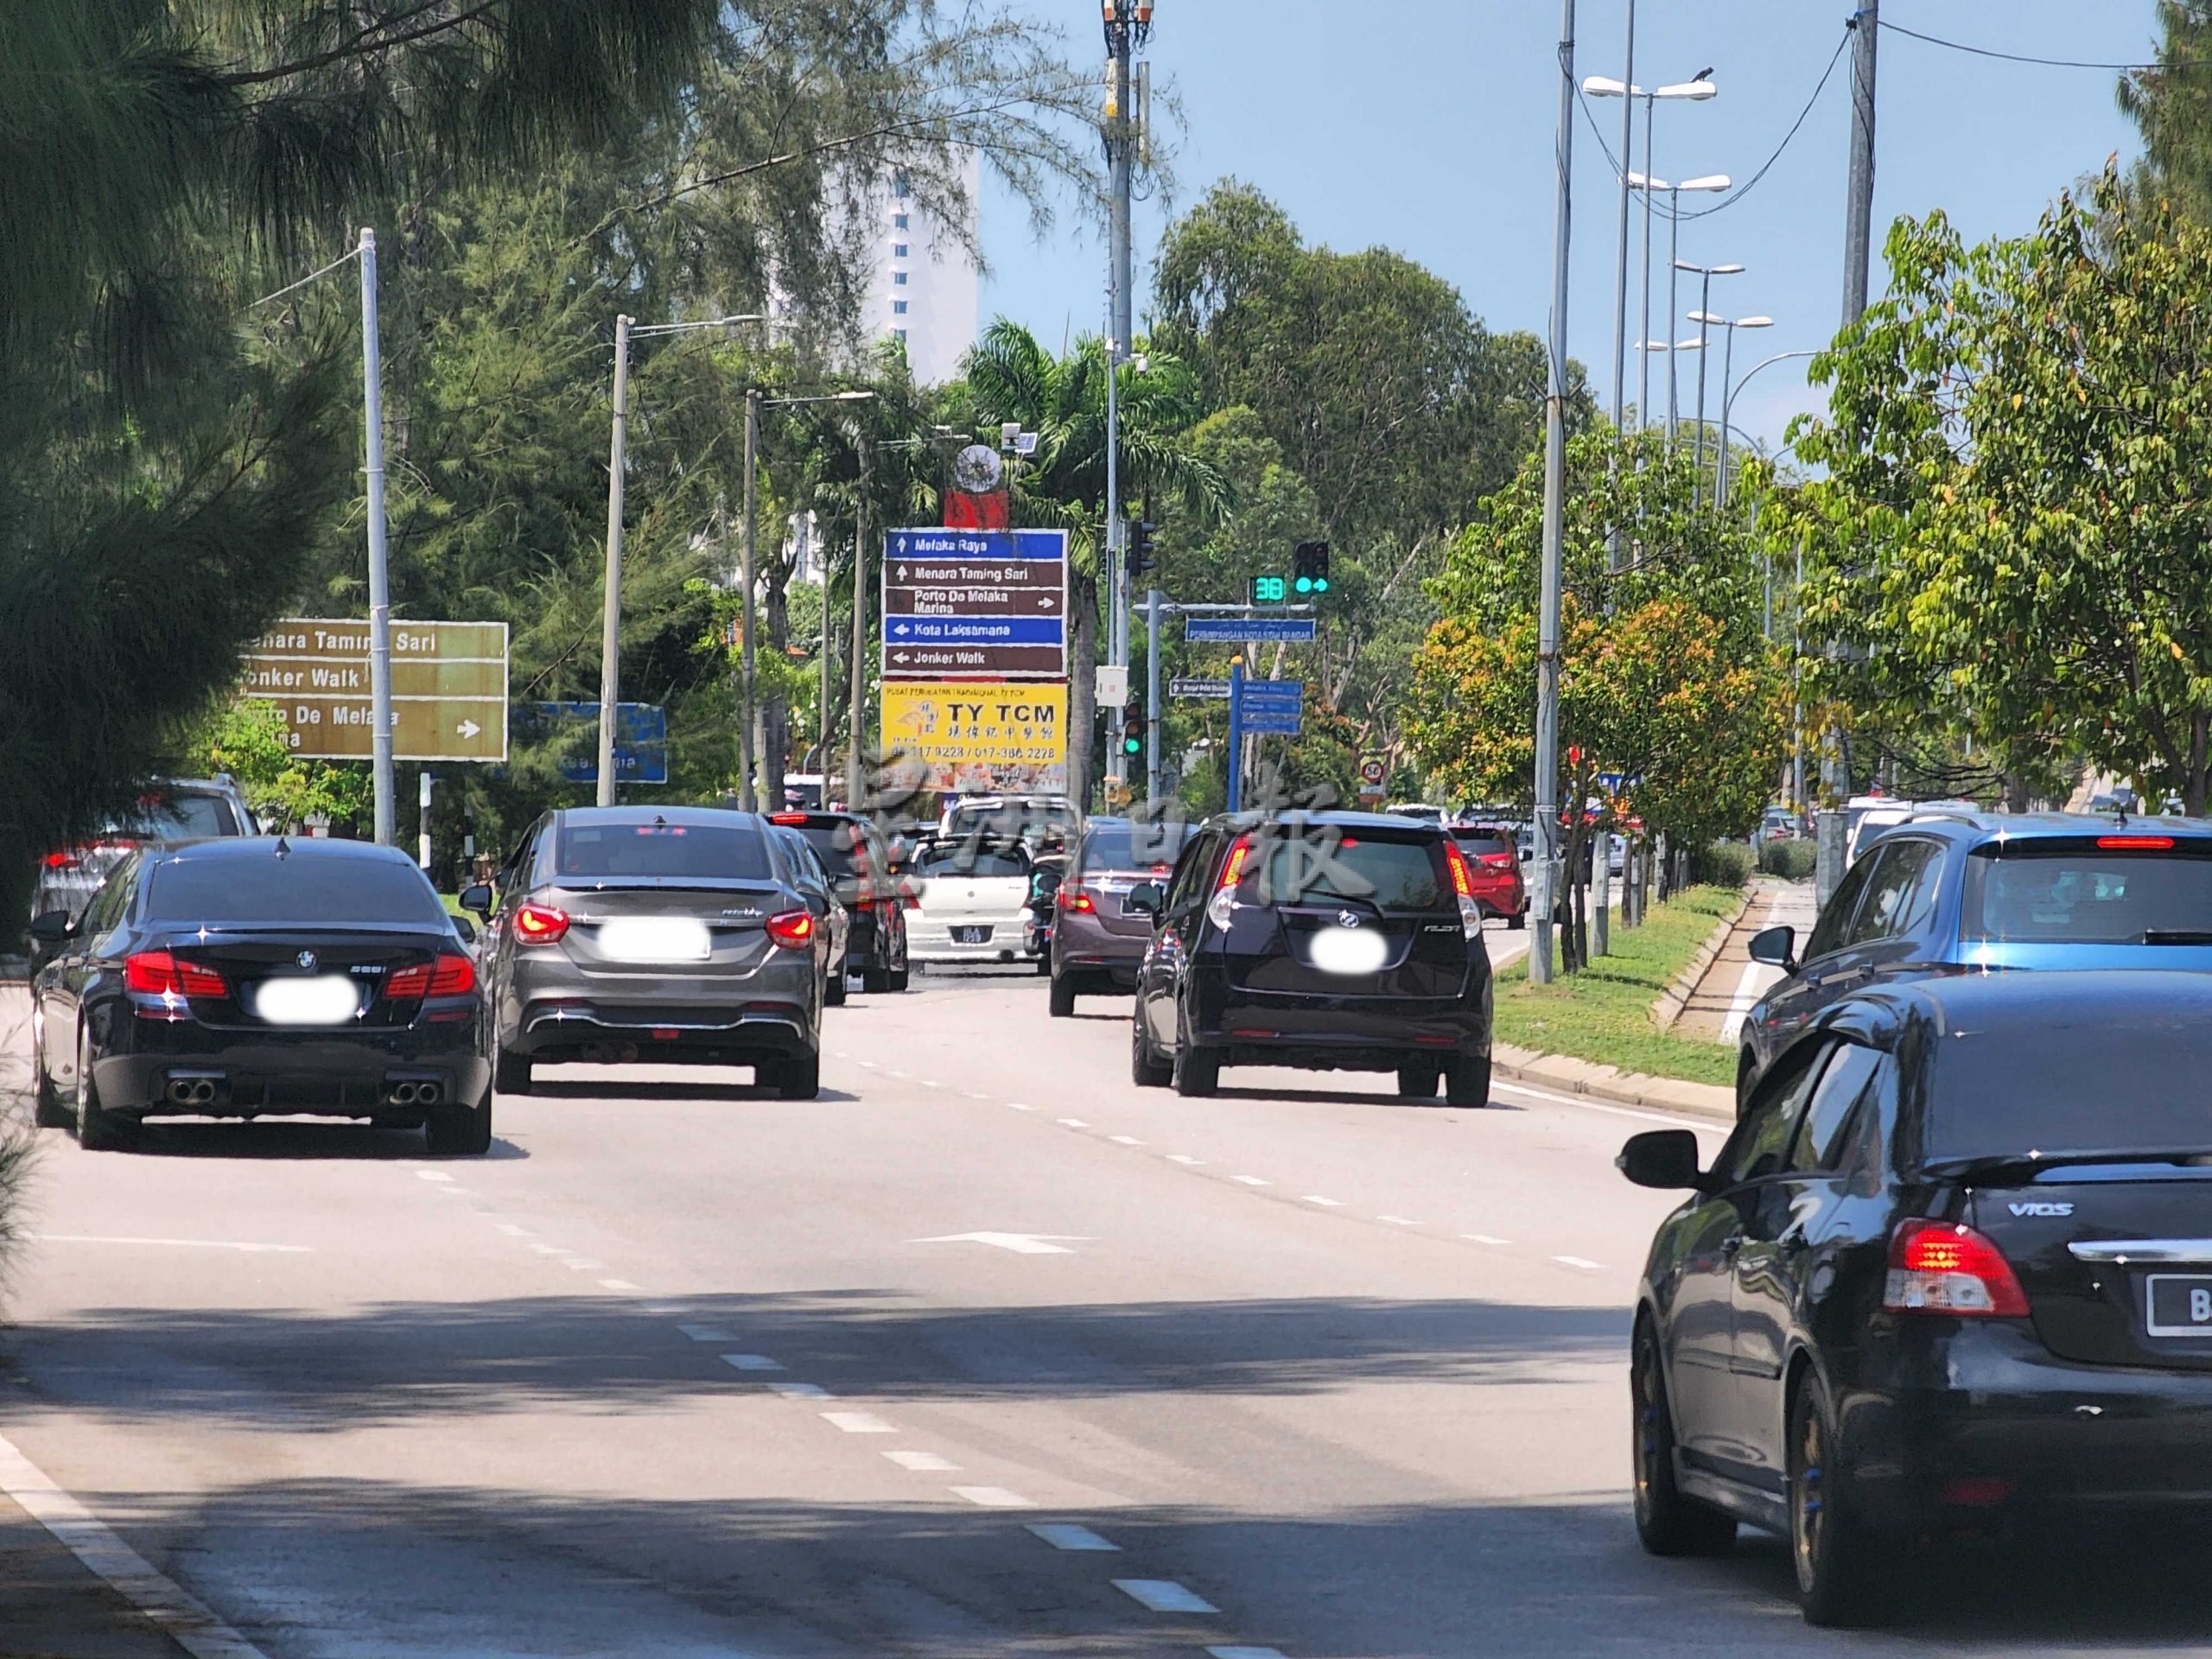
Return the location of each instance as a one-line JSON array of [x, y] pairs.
[[640, 739], [974, 604], [1248, 630]]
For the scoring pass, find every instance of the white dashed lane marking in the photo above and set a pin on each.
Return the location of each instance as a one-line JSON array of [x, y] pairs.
[[1327, 1204], [432, 1175], [1484, 1238], [923, 1463], [1577, 1261], [1062, 1534], [583, 1263], [1250, 1181], [993, 1498], [857, 1423], [754, 1363], [511, 1230], [708, 1333], [800, 1390], [1072, 1123], [1020, 1107], [1185, 1159], [1125, 1140], [1399, 1221], [621, 1285], [1164, 1596], [1244, 1653]]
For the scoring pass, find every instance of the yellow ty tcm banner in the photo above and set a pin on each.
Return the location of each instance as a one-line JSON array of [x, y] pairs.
[[953, 722]]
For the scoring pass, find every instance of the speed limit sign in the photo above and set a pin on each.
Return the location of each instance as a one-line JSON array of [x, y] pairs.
[[1371, 770]]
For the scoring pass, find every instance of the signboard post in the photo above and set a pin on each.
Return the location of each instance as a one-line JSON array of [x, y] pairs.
[[979, 604], [448, 688]]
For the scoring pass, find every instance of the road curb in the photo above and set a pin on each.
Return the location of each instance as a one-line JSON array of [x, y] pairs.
[[1667, 1008], [1611, 1084]]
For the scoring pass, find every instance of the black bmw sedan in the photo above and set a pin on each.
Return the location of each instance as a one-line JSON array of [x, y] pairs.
[[1952, 1270], [259, 976]]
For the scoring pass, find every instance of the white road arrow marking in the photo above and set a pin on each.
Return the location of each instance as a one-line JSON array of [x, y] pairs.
[[1020, 1243], [468, 729]]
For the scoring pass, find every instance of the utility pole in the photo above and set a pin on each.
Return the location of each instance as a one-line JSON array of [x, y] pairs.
[[1547, 780], [379, 570], [1127, 24], [1153, 599], [855, 783], [1620, 275], [610, 634], [748, 723], [822, 724]]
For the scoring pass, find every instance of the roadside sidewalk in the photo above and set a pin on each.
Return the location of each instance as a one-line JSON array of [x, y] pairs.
[[1715, 1010], [1608, 1082], [52, 1606]]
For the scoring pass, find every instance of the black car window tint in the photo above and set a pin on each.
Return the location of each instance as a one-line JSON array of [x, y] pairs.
[[1919, 904], [1130, 847], [1829, 931], [1898, 866], [657, 850], [1823, 1136], [1321, 866], [1189, 870], [2081, 890], [1760, 1145], [297, 889], [106, 905]]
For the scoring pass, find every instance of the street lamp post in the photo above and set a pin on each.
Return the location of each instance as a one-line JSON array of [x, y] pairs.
[[1706, 273], [1727, 357], [610, 640], [1728, 392]]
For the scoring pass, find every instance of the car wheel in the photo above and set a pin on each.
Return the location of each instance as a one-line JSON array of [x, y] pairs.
[[1518, 920], [97, 1129], [1044, 964], [1466, 1081], [799, 1078], [1836, 1556], [1418, 1081], [458, 1131], [1062, 997], [47, 1109], [1146, 1071], [1197, 1071], [833, 990], [510, 1073], [875, 981], [1746, 1075], [1667, 1523], [899, 978]]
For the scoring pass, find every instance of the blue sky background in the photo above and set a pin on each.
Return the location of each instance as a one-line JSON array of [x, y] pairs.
[[1426, 126]]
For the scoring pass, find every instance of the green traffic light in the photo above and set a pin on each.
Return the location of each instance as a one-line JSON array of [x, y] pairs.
[[1132, 746], [1305, 584], [1321, 585]]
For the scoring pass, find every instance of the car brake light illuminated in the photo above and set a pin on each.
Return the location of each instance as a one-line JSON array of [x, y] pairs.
[[1224, 902], [787, 817], [1076, 900], [156, 973], [2136, 843], [1463, 885], [450, 975], [65, 859], [1940, 1267], [540, 925], [793, 928]]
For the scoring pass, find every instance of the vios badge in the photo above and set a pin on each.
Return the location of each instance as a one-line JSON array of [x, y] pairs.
[[306, 959], [2041, 1209]]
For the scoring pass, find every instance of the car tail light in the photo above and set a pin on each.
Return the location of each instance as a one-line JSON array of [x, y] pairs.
[[793, 930], [156, 973], [787, 817], [1940, 1267], [540, 925], [2136, 843], [65, 858], [1224, 898], [1076, 900], [1496, 860], [1463, 885], [450, 975]]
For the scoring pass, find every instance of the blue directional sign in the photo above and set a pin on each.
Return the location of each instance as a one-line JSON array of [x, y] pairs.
[[1272, 705], [1253, 630], [640, 739], [982, 604], [976, 630]]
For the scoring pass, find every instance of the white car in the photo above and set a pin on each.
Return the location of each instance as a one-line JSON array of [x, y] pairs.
[[970, 902]]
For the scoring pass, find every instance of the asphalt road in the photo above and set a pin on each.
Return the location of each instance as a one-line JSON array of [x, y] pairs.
[[680, 1370]]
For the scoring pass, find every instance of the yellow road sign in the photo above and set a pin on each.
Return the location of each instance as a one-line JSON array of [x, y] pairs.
[[966, 722], [448, 688]]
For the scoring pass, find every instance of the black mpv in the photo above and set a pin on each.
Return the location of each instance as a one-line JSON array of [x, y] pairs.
[[1953, 1270], [1331, 941]]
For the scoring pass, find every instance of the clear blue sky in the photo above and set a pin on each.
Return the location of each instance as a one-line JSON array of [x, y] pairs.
[[1426, 126]]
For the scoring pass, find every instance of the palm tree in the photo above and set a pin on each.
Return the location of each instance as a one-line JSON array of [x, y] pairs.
[[1010, 377]]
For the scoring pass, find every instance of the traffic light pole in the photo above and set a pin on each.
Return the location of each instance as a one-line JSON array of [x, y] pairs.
[[1152, 602]]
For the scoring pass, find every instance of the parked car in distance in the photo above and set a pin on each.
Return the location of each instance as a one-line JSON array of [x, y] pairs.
[[245, 976], [865, 867], [1425, 811], [1954, 891], [1494, 865], [1949, 1274], [803, 869], [1098, 938], [1026, 818], [1329, 941], [968, 901], [168, 811], [669, 934]]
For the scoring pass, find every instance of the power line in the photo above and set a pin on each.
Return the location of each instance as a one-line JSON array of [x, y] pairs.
[[2022, 57]]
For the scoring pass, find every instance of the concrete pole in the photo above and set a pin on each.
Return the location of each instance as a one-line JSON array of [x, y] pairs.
[[610, 634], [1728, 362], [1644, 371], [821, 692], [1697, 460], [748, 714], [1546, 779], [855, 780], [379, 571], [1121, 167], [1620, 274], [1673, 308], [1153, 601]]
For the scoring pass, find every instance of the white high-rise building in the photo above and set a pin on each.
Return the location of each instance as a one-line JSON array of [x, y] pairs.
[[924, 288]]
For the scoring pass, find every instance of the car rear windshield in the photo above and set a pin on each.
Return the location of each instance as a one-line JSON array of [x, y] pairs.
[[300, 889], [1133, 846], [177, 818], [733, 852], [2091, 891], [1321, 865], [1474, 842], [839, 845], [965, 858], [2109, 1079]]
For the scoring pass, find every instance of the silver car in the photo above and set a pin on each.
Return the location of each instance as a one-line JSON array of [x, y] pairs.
[[663, 934]]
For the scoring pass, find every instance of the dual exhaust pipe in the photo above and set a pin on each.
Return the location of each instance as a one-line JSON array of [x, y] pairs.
[[414, 1094], [192, 1092]]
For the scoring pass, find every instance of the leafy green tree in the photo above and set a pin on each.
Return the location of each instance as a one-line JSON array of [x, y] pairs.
[[2170, 104], [2011, 528]]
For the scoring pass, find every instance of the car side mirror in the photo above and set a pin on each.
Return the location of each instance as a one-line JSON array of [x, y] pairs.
[[466, 928], [1662, 1158], [1776, 947], [477, 898], [1147, 898], [52, 927]]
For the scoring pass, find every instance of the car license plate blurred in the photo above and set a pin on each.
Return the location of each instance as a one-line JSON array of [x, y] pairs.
[[971, 936], [654, 938], [2178, 1305], [328, 999]]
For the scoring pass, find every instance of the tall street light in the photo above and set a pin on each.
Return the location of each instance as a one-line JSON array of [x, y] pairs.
[[1697, 90], [752, 745], [1705, 273], [610, 638], [1727, 357], [1728, 394]]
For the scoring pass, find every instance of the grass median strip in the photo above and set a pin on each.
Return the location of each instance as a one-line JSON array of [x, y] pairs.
[[1604, 1013]]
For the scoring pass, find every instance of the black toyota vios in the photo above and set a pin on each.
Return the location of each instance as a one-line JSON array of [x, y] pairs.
[[259, 976], [1952, 1271]]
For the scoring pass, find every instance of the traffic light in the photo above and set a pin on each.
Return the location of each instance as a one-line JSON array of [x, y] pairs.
[[1269, 590], [1132, 729], [1309, 567], [1141, 553]]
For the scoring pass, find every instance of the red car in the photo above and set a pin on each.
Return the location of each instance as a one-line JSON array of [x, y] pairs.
[[1496, 867]]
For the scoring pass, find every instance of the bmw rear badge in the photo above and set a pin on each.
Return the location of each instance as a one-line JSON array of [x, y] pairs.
[[306, 959], [1345, 919]]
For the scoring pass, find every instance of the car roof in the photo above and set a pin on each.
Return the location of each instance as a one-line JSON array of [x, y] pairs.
[[1333, 818], [253, 848], [701, 817], [1977, 827]]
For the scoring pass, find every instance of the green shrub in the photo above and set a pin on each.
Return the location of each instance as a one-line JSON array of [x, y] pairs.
[[1790, 859], [1723, 864]]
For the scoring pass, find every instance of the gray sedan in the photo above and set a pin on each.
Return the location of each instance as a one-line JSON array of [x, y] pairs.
[[663, 934]]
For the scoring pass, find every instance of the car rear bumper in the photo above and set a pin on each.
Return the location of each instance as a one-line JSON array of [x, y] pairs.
[[1990, 1418], [933, 942], [867, 944], [185, 1067], [1340, 1033]]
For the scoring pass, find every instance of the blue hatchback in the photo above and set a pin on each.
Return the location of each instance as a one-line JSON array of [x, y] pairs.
[[1953, 892]]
